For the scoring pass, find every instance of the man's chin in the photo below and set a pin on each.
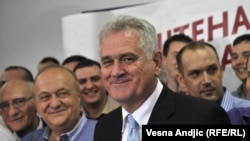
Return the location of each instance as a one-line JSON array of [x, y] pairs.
[[209, 97]]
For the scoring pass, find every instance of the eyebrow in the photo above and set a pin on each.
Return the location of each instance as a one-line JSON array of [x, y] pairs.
[[105, 57], [15, 99]]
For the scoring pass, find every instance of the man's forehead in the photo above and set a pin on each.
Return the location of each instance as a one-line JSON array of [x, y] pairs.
[[13, 74], [15, 89]]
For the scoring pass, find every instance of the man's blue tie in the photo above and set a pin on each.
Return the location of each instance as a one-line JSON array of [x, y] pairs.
[[133, 132]]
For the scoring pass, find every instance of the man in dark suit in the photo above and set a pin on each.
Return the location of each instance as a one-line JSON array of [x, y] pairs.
[[131, 64]]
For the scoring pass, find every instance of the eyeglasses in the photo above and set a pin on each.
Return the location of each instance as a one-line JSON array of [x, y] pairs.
[[17, 103]]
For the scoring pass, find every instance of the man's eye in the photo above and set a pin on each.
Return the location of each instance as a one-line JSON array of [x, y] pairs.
[[246, 54], [194, 73], [95, 78], [212, 70], [107, 62], [19, 101], [234, 57], [128, 59], [4, 105], [44, 97], [82, 81], [63, 94]]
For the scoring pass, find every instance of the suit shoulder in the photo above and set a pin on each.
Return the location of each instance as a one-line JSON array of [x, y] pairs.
[[36, 135], [111, 117], [196, 103]]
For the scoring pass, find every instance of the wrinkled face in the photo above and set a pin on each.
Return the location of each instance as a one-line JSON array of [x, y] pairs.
[[170, 59], [91, 86], [240, 53], [128, 75], [57, 99], [202, 74], [18, 117]]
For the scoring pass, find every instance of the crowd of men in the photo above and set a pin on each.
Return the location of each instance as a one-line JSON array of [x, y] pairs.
[[83, 99]]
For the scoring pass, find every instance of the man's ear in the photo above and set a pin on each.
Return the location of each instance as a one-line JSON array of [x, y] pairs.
[[180, 80], [158, 63]]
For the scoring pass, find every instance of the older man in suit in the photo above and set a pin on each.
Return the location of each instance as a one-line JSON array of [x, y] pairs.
[[131, 64]]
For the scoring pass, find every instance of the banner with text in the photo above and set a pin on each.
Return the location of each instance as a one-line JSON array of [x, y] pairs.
[[218, 22]]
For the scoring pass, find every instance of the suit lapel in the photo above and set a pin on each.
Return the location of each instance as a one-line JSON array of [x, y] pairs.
[[116, 122], [164, 108]]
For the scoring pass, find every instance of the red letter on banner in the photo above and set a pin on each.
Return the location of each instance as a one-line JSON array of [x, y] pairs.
[[159, 41], [195, 29], [245, 22], [223, 25], [227, 53], [181, 29]]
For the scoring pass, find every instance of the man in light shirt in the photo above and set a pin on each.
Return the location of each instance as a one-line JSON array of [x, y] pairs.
[[201, 73], [57, 99], [17, 108]]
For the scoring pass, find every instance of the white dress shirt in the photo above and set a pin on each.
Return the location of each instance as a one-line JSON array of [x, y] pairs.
[[142, 114]]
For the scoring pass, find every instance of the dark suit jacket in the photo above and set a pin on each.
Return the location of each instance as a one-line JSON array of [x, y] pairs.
[[170, 109]]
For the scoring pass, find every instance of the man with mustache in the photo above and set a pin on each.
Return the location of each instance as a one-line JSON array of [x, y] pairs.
[[57, 99], [17, 108], [201, 73]]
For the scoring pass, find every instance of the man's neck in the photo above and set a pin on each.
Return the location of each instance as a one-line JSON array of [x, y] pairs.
[[95, 111], [33, 126], [172, 85]]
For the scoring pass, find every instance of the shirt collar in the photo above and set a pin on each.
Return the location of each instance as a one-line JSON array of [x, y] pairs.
[[142, 114], [71, 134]]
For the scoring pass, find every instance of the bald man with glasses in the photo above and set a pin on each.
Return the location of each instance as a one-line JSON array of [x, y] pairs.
[[17, 108]]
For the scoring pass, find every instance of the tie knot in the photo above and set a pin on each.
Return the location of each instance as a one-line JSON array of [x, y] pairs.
[[131, 122]]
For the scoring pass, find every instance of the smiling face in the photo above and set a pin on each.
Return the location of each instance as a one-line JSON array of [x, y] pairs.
[[202, 74], [128, 74], [91, 86], [22, 117], [57, 98], [240, 53]]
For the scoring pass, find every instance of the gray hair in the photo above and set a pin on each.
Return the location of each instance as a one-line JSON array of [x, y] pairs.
[[146, 31]]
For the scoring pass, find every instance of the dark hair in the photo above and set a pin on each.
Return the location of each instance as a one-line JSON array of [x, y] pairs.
[[192, 46], [239, 39], [73, 58], [28, 75], [179, 38], [49, 59], [86, 63]]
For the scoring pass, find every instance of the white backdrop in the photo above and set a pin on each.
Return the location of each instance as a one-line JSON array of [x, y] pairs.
[[217, 22], [31, 30]]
